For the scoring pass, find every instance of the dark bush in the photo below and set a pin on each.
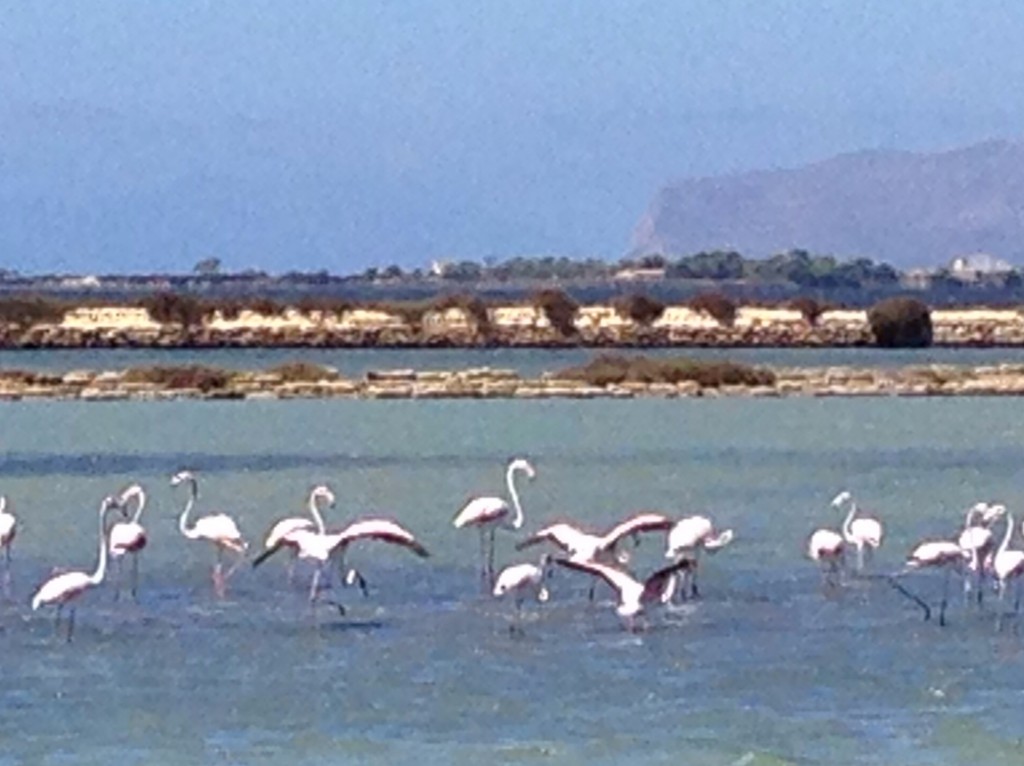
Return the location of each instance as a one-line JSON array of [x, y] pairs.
[[642, 309], [809, 307], [303, 372], [175, 308], [193, 376], [559, 308], [27, 310], [309, 304], [614, 368], [901, 323], [471, 304], [719, 306]]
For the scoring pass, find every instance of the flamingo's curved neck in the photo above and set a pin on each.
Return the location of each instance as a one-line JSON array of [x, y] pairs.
[[847, 531], [1006, 537], [193, 491], [517, 521], [3, 503], [971, 512], [140, 496], [101, 566], [315, 512]]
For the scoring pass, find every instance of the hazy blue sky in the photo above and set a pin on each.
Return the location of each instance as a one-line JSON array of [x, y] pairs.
[[343, 134]]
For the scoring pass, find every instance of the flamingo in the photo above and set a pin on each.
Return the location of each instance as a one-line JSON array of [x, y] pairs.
[[8, 529], [220, 529], [860, 531], [282, 531], [322, 546], [978, 540], [488, 513], [128, 536], [67, 586], [1007, 565], [583, 546], [520, 578], [635, 597], [695, 533], [828, 548], [938, 554]]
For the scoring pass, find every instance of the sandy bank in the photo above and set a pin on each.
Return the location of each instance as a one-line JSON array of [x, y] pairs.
[[487, 383]]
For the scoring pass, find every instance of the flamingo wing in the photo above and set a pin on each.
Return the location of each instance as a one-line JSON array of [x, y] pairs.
[[616, 578], [283, 529], [481, 510], [565, 536], [221, 529], [60, 588], [127, 537], [688, 533], [641, 522], [655, 584], [385, 530]]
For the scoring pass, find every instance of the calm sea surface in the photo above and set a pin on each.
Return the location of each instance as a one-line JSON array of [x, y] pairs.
[[529, 362], [765, 669]]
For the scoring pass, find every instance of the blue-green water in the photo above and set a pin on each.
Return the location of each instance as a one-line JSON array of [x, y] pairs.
[[765, 669], [529, 362]]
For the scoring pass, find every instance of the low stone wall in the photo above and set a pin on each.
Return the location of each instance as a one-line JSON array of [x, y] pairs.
[[487, 383], [596, 326]]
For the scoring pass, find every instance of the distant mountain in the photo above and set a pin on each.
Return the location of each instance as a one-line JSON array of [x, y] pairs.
[[906, 208]]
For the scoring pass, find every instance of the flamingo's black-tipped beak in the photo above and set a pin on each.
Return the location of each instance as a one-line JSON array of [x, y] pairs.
[[264, 556]]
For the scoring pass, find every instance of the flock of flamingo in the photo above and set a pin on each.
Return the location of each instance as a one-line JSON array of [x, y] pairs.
[[973, 555]]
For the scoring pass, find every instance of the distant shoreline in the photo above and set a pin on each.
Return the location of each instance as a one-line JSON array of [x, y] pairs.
[[304, 381]]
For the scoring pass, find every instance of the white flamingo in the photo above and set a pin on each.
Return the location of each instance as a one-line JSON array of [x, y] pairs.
[[977, 539], [488, 513], [320, 547], [694, 534], [66, 587], [281, 533], [635, 597], [939, 554], [859, 531], [519, 579], [828, 548], [128, 536], [8, 530], [584, 546], [1007, 565], [219, 529]]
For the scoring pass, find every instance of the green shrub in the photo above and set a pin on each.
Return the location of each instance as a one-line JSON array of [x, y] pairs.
[[719, 306], [303, 372], [192, 376], [809, 307], [27, 310], [474, 306], [642, 309], [901, 323], [175, 308], [559, 308], [607, 369]]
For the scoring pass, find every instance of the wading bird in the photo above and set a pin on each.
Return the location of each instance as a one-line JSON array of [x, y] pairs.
[[322, 547], [8, 529], [635, 597], [281, 533], [828, 549], [584, 546], [939, 554], [1006, 565], [489, 513], [861, 532], [219, 529], [977, 539], [67, 586], [692, 535], [128, 537], [519, 579]]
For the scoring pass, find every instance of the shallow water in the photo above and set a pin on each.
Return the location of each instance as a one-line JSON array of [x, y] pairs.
[[529, 362], [765, 669]]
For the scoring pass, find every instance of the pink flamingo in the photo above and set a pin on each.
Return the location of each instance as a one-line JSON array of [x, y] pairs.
[[488, 513], [66, 587], [129, 537]]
